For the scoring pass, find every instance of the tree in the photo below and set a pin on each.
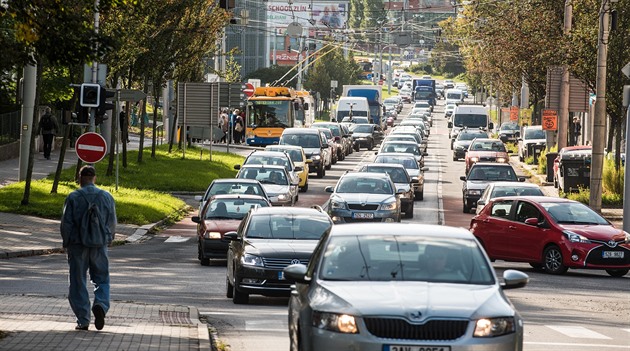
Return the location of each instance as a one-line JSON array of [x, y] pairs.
[[271, 74]]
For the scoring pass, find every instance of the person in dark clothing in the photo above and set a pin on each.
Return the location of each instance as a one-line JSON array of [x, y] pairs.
[[577, 131], [48, 128]]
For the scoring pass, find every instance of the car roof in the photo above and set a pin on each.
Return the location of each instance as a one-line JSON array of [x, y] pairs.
[[236, 180], [411, 229], [365, 175], [575, 148], [401, 142], [495, 164], [265, 152], [383, 165], [301, 131], [395, 154], [488, 139], [284, 146], [519, 184], [540, 199]]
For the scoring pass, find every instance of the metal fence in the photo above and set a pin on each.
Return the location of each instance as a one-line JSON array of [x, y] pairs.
[[9, 127]]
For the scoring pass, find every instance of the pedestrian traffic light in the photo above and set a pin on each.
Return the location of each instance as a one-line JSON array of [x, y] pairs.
[[90, 95], [103, 105]]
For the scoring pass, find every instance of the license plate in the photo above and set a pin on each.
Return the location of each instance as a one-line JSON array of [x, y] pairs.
[[363, 215], [415, 348], [281, 275], [612, 254]]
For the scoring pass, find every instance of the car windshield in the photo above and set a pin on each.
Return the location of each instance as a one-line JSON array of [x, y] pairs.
[[304, 140], [500, 191], [490, 172], [488, 145], [399, 147], [234, 188], [269, 160], [534, 134], [509, 126], [364, 185], [469, 136], [294, 154], [407, 162], [359, 120], [398, 175], [361, 128], [573, 213], [264, 175], [292, 227], [404, 258], [232, 208]]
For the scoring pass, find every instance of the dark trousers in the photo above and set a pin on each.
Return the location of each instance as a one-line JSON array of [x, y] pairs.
[[48, 140]]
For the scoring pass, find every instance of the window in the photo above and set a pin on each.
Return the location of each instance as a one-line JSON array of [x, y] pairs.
[[501, 209], [526, 210]]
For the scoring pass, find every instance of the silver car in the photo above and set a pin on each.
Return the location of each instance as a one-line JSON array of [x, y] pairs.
[[390, 287], [280, 188]]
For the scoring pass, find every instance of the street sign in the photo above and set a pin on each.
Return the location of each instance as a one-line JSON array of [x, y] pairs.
[[132, 95], [91, 147], [333, 83], [626, 70], [248, 89], [550, 120], [514, 113]]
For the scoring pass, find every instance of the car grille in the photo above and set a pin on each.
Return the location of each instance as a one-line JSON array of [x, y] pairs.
[[487, 159], [367, 207], [595, 256], [353, 220], [280, 263], [391, 328]]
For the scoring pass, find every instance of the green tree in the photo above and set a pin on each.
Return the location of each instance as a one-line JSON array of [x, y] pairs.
[[271, 74]]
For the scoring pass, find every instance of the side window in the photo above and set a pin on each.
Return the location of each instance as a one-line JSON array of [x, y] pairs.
[[501, 209], [526, 210]]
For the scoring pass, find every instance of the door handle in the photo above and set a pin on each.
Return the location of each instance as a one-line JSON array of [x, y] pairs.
[[511, 227]]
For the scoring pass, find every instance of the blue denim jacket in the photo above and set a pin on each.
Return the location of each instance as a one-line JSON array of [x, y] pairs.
[[76, 205]]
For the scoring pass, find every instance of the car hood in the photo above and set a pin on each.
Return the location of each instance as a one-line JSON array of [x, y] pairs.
[[403, 298], [309, 151], [363, 197], [477, 184], [222, 225], [596, 232], [535, 141], [361, 135], [464, 144], [487, 154], [402, 186], [275, 189], [281, 248]]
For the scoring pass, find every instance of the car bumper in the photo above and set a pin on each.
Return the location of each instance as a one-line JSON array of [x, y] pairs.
[[262, 281], [472, 199], [591, 256], [315, 166], [214, 248], [327, 340], [354, 216], [362, 142], [459, 153], [277, 202]]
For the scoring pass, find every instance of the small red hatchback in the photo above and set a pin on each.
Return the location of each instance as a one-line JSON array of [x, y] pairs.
[[551, 234]]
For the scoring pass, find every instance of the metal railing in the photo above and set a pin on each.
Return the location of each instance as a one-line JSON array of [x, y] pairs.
[[9, 127]]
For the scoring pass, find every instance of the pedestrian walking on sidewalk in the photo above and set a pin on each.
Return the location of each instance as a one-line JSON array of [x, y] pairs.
[[48, 128], [577, 131], [88, 225]]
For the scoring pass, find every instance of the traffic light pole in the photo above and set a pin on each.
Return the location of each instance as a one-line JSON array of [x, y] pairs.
[[92, 121]]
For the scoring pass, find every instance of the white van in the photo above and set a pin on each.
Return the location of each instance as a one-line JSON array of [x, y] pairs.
[[358, 105], [469, 116], [454, 96]]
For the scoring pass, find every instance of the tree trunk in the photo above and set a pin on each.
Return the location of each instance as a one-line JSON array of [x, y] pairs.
[[62, 156], [142, 125], [113, 140], [31, 152], [155, 117]]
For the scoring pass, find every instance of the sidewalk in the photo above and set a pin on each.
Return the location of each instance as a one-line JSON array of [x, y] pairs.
[[39, 322]]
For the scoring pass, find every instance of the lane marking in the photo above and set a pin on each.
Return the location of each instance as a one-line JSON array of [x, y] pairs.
[[176, 239], [595, 346], [265, 326], [578, 332]]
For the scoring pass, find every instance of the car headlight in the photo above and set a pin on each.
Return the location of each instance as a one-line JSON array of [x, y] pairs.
[[338, 205], [336, 322], [501, 159], [474, 159], [474, 192], [459, 148], [575, 238], [389, 206], [212, 235], [251, 260], [491, 327], [283, 197], [627, 237], [316, 157]]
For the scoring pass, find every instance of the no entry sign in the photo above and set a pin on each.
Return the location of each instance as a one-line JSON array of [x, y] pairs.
[[91, 147], [249, 89]]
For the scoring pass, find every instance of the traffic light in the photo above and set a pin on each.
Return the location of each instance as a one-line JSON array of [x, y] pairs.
[[90, 95], [103, 105]]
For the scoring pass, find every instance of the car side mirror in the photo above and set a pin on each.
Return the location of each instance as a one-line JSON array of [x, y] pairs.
[[415, 180], [195, 219], [521, 179], [424, 169], [296, 273], [237, 167], [329, 189], [462, 178], [450, 124], [425, 154], [299, 168], [490, 125], [198, 197], [530, 221], [481, 203], [231, 236], [503, 138], [513, 279]]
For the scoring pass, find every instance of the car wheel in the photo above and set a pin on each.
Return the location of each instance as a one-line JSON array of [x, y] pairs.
[[321, 172], [371, 146], [465, 208], [329, 166], [203, 260], [555, 182], [617, 273], [238, 297], [419, 195], [553, 260], [455, 158], [409, 211], [357, 147], [297, 198], [304, 188], [537, 267], [295, 342], [229, 289]]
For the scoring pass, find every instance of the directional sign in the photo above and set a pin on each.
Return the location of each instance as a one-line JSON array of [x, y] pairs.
[[248, 89], [91, 147], [132, 95], [626, 70]]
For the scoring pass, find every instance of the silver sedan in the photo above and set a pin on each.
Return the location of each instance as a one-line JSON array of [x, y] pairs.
[[391, 287]]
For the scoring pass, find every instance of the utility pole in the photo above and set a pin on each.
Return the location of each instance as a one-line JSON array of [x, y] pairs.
[[92, 120], [565, 86], [599, 120]]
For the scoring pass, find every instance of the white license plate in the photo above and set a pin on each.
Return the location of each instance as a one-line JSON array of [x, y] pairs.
[[415, 348], [612, 254], [363, 215], [281, 275]]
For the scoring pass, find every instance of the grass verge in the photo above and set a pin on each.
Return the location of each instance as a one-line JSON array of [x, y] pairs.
[[143, 194]]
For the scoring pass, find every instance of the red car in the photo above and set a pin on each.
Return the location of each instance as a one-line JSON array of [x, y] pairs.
[[552, 234], [219, 215], [486, 150]]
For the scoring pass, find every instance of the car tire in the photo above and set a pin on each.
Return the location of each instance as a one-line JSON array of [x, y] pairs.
[[409, 210], [419, 195], [329, 166], [465, 208], [229, 288], [357, 147], [617, 273], [455, 158], [553, 260], [204, 261], [238, 297], [321, 172], [370, 146], [555, 182], [304, 188]]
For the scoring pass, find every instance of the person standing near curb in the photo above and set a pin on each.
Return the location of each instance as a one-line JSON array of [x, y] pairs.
[[86, 246], [47, 127]]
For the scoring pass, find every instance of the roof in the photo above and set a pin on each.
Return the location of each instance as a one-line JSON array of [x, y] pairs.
[[519, 184], [235, 180], [383, 165], [492, 164], [395, 154], [392, 229], [301, 131], [365, 175], [284, 147]]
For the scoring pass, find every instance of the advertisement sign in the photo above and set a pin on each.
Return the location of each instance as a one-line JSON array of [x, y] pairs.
[[550, 120], [309, 14]]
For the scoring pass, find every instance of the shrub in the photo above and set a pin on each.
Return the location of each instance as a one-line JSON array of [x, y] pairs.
[[612, 178], [529, 160], [542, 159], [583, 196]]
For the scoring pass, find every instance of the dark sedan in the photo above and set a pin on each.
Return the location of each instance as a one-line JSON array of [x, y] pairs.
[[269, 240], [366, 135], [480, 175]]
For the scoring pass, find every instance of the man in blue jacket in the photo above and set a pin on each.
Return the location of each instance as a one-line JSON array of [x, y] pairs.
[[87, 248]]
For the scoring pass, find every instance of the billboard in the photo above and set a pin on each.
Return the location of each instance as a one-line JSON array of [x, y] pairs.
[[311, 15]]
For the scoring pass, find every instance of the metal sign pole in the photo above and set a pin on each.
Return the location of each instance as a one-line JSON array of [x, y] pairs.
[[116, 121]]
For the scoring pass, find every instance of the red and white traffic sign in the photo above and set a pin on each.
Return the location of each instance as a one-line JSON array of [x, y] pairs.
[[249, 89], [91, 147]]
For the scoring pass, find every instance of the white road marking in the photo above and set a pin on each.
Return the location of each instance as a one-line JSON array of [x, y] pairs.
[[577, 332], [265, 326], [574, 345], [176, 239]]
